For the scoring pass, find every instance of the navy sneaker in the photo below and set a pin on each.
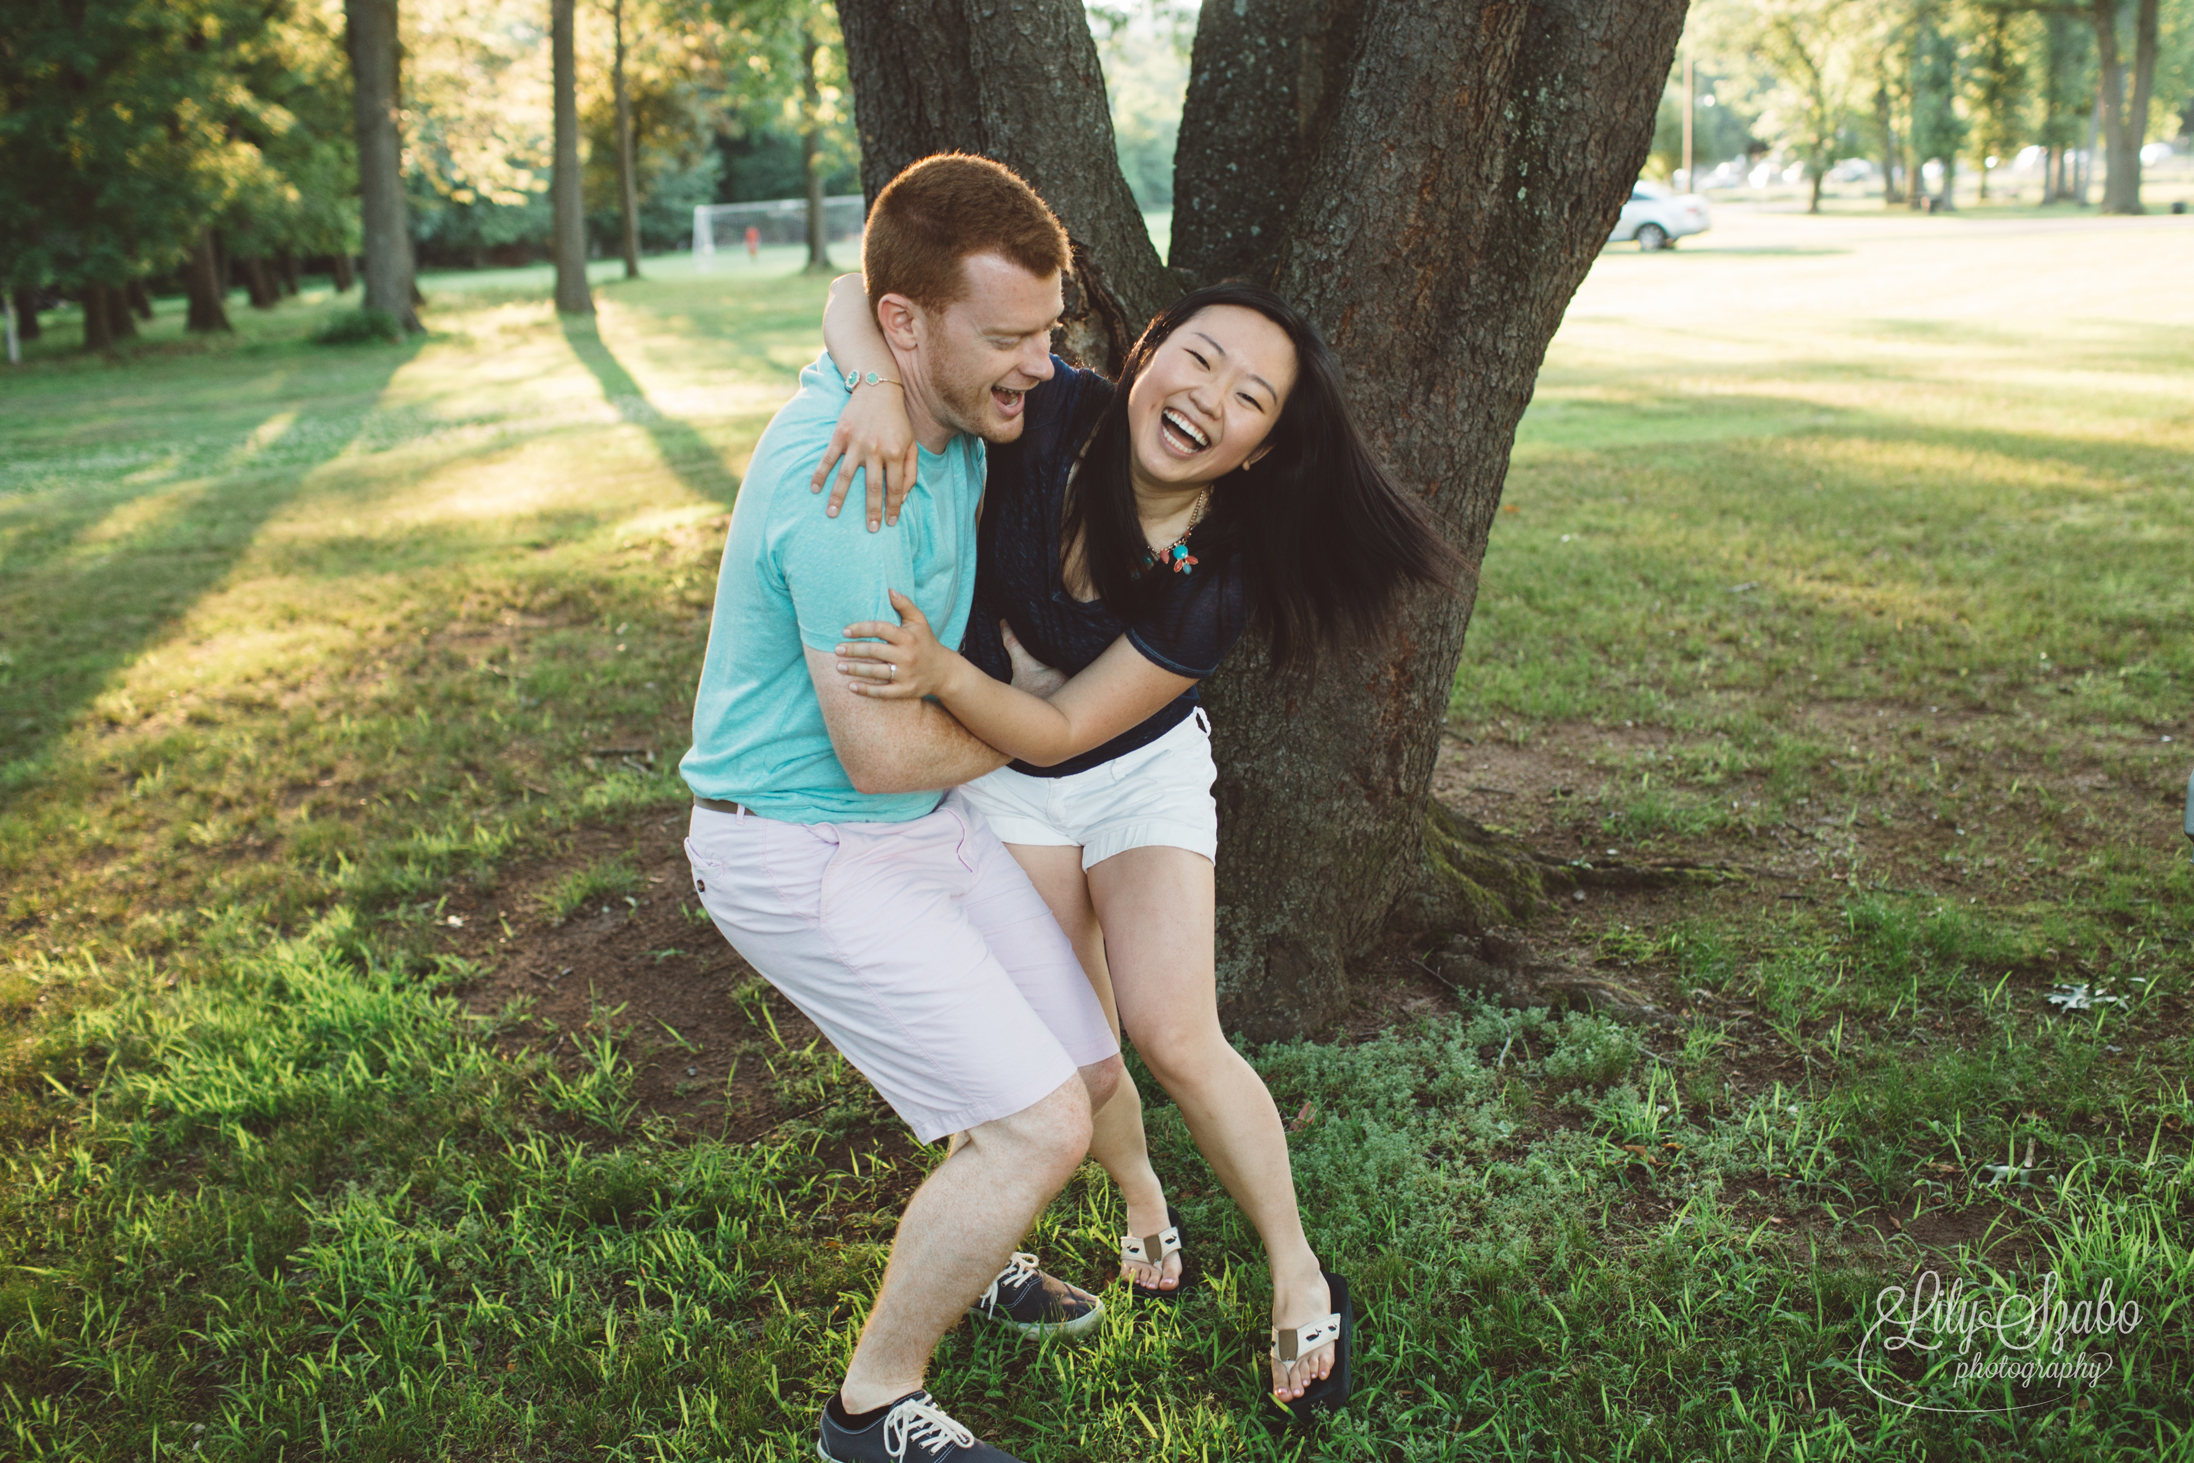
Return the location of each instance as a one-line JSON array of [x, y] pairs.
[[1037, 1304], [915, 1430]]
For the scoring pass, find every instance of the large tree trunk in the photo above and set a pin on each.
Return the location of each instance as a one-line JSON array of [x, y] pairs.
[[26, 315], [1456, 166], [628, 187], [811, 176], [568, 227], [2144, 84], [370, 32]]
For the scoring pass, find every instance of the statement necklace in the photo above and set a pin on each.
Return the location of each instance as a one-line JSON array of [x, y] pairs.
[[1175, 555]]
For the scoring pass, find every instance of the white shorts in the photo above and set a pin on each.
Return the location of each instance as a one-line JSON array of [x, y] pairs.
[[1157, 795], [919, 948]]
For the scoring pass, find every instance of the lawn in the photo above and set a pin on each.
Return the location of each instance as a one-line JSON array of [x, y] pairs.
[[371, 1089]]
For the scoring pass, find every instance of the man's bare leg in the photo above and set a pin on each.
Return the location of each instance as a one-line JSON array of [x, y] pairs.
[[957, 1234]]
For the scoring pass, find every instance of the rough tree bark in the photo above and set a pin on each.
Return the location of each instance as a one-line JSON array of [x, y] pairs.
[[1020, 84], [202, 284], [1448, 171], [370, 35], [568, 226], [628, 187]]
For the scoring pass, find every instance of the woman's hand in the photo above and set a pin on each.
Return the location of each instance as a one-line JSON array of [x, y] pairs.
[[872, 435], [1029, 673], [898, 662]]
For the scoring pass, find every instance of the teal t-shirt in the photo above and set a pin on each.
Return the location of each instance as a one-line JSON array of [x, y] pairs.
[[791, 577]]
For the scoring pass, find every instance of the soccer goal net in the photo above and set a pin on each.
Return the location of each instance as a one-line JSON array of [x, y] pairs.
[[734, 228]]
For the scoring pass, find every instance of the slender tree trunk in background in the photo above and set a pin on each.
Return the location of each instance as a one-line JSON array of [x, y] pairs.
[[568, 227], [2144, 83], [140, 299], [26, 315], [259, 286], [121, 320], [98, 329], [811, 141], [2121, 177], [340, 267], [202, 286], [1465, 162], [628, 185], [2084, 173], [370, 33], [285, 269], [1885, 117]]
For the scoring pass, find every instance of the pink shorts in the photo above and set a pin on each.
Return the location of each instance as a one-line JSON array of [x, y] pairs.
[[920, 949]]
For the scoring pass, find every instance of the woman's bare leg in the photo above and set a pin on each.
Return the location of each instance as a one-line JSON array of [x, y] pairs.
[[1116, 1140], [1156, 907]]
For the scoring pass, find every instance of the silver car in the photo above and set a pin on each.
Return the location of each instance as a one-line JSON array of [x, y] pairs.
[[1657, 217]]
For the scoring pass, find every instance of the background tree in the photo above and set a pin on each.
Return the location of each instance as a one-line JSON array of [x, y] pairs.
[[628, 187], [568, 229], [1447, 173], [370, 34], [1818, 74]]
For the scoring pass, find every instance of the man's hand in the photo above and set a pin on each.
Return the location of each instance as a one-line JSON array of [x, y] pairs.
[[1029, 673]]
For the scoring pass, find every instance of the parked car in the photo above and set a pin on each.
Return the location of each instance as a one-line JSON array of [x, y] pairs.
[[1657, 217]]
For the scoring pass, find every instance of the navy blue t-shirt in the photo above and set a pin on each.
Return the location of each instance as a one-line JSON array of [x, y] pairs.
[[1188, 631]]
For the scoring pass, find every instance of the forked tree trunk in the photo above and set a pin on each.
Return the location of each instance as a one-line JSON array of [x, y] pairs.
[[568, 224], [370, 33], [1452, 169]]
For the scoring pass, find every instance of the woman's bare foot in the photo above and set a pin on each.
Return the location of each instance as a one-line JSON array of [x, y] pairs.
[[1143, 1221], [1298, 1303]]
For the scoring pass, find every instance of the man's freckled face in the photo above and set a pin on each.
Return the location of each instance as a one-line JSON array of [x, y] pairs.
[[992, 346]]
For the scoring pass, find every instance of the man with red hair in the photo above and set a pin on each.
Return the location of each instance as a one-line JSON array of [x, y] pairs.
[[822, 844]]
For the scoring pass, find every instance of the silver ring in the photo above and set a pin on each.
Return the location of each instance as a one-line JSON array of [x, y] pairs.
[[891, 670]]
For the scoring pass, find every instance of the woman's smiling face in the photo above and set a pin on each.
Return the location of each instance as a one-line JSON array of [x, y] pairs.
[[1209, 397]]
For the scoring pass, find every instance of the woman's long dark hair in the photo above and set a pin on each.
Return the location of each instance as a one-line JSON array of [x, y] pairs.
[[1326, 540]]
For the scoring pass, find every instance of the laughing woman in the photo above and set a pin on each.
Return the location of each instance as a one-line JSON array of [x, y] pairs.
[[1128, 538]]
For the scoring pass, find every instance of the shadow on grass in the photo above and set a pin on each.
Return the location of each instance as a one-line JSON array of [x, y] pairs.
[[110, 558], [688, 454]]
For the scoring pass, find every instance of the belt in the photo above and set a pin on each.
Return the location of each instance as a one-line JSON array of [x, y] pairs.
[[716, 807]]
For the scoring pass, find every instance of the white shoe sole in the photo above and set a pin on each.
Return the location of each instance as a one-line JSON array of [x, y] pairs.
[[1074, 1327]]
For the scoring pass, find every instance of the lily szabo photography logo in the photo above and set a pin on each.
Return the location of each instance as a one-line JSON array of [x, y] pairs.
[[2000, 1348]]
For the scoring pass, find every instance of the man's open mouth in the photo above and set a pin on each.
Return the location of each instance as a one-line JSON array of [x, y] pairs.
[[1008, 402], [1181, 434]]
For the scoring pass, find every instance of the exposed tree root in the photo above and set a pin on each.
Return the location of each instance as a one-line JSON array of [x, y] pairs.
[[1481, 886]]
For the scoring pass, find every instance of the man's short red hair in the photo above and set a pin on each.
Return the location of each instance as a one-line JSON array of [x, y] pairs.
[[947, 208]]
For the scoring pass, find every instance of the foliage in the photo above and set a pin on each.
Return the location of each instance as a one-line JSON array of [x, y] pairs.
[[353, 327]]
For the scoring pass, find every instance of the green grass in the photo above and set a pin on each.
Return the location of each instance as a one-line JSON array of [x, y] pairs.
[[298, 640]]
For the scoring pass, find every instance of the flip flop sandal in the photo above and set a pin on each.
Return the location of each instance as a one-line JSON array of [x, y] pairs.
[[1155, 1249], [1330, 1394]]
